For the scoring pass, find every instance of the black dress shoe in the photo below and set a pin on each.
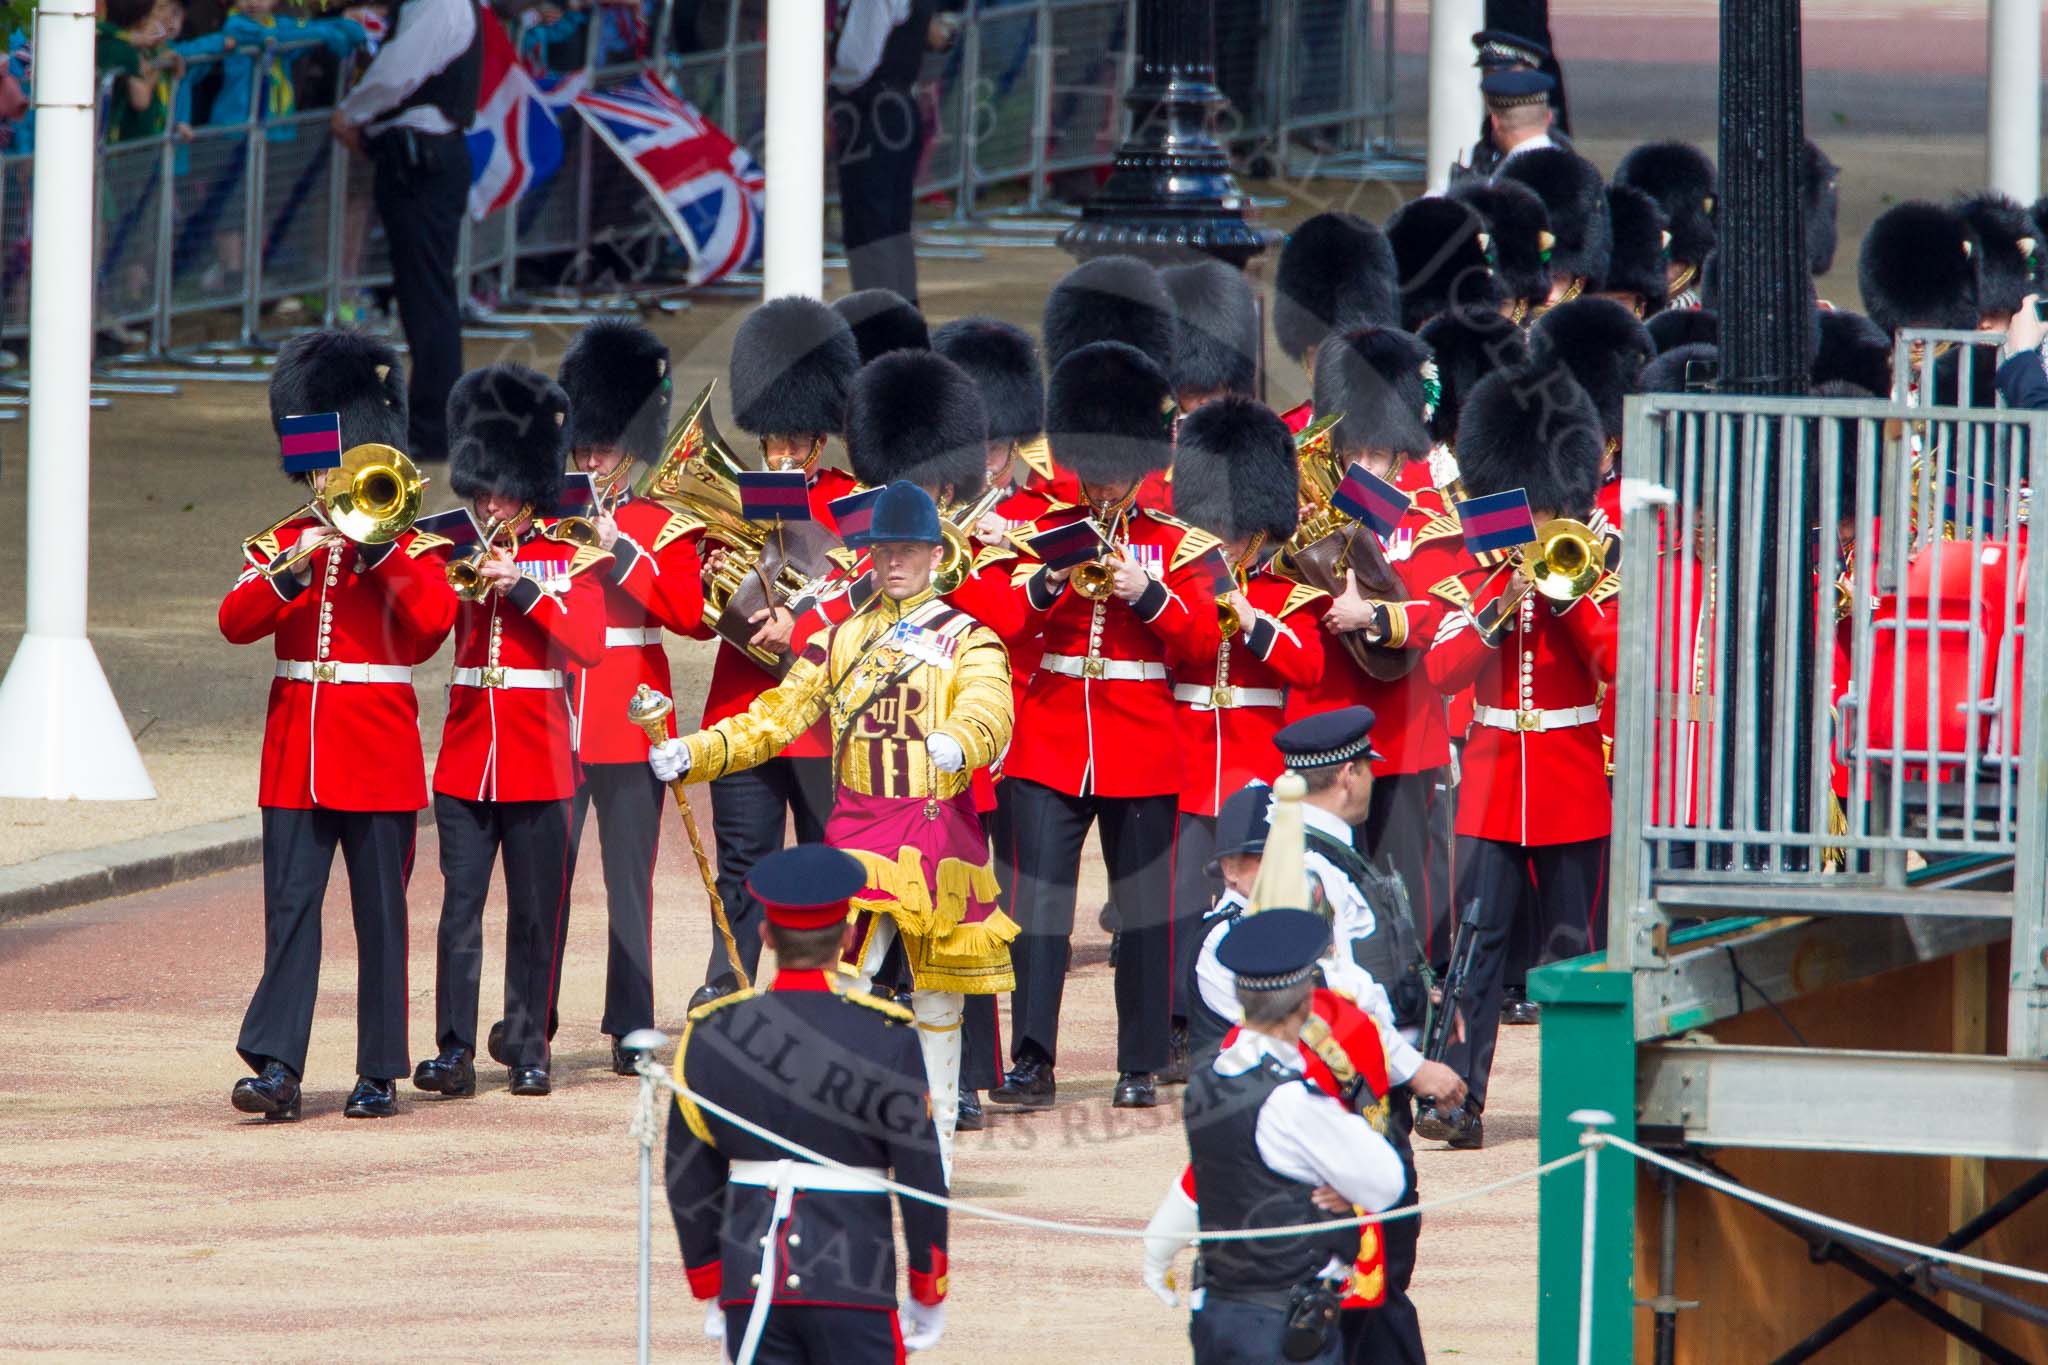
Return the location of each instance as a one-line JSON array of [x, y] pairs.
[[274, 1093], [1463, 1128], [716, 989], [531, 1080], [1135, 1090], [1029, 1085], [622, 1061], [1176, 1069], [371, 1099], [452, 1073], [972, 1119], [1521, 1012], [494, 1044], [1433, 1123]]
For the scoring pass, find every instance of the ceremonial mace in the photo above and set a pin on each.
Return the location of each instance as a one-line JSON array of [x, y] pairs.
[[650, 710]]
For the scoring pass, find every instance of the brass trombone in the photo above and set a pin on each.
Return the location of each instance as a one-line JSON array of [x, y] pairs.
[[372, 498], [957, 525], [466, 575], [1567, 560]]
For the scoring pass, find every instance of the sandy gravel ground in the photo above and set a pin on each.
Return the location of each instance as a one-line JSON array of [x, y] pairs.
[[145, 1219]]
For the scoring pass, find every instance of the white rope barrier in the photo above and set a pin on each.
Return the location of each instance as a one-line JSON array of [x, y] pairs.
[[644, 1119], [1821, 1220]]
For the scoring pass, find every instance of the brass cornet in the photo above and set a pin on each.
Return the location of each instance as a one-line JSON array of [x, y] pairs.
[[1095, 579], [1567, 562], [577, 531], [466, 575], [372, 498]]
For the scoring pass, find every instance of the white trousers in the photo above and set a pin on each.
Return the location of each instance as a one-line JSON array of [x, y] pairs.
[[939, 1014]]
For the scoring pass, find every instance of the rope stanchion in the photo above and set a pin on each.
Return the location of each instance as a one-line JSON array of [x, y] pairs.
[[664, 1081]]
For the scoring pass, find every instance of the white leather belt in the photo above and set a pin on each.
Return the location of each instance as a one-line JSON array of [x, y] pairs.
[[1120, 670], [1227, 698], [538, 679], [1563, 718], [327, 671], [805, 1175], [618, 637]]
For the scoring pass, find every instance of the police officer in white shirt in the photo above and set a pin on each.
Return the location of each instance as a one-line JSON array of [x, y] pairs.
[[1270, 1150], [877, 50], [409, 112]]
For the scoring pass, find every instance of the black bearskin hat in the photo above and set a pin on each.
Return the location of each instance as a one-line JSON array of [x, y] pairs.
[[616, 376], [506, 435], [1335, 271], [883, 321], [1919, 268], [1576, 199], [1106, 413], [1374, 377], [1667, 373], [1532, 427], [916, 416], [1820, 182], [1109, 298], [2009, 254], [793, 362], [1640, 248], [358, 376], [1002, 360], [1467, 349], [1519, 241], [1439, 246], [1604, 346], [1234, 471], [1216, 329], [1853, 350], [1675, 327], [1680, 178]]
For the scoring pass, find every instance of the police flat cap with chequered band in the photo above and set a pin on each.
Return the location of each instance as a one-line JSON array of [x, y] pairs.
[[1327, 738], [1274, 949]]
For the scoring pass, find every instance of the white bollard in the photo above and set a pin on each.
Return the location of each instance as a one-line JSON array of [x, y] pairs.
[[1454, 104], [793, 252], [62, 735], [1592, 1139], [645, 1042], [2014, 122]]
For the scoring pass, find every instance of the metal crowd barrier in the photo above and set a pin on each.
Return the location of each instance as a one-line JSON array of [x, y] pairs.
[[211, 246], [1872, 744]]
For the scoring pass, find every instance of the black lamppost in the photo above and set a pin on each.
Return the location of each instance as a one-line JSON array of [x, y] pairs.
[[1760, 241], [1170, 194]]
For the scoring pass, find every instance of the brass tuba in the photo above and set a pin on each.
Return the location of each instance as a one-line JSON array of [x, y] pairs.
[[1567, 561], [764, 566], [466, 574], [372, 498], [957, 525]]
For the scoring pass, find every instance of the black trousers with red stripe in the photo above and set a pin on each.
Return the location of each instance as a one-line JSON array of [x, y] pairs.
[[628, 799], [1563, 885], [533, 836], [298, 855], [1398, 828], [1194, 891], [1137, 844]]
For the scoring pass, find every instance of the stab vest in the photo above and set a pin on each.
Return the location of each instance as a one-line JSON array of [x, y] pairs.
[[1391, 953], [902, 54], [455, 87]]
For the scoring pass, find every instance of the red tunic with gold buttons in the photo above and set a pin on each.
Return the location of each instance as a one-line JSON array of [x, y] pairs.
[[655, 579], [1229, 709], [343, 732], [1534, 771], [735, 679], [1097, 718], [510, 734]]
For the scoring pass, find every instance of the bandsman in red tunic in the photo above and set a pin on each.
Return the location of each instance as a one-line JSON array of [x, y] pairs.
[[616, 375], [507, 769], [1089, 741], [1215, 334], [341, 747], [1234, 478], [1335, 271], [793, 363], [1110, 298], [1533, 812]]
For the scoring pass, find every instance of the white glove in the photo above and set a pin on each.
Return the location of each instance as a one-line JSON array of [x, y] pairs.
[[1175, 1224], [714, 1321], [1159, 1279], [669, 759], [923, 1325], [947, 755]]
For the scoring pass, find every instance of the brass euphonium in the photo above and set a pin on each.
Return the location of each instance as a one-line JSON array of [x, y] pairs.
[[957, 525], [372, 498], [1567, 561], [466, 575]]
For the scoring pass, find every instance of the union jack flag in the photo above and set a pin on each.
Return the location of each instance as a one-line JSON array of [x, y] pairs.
[[708, 187], [515, 144]]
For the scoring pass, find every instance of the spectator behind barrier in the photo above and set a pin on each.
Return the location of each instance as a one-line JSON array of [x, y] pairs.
[[2022, 370], [130, 46], [240, 41]]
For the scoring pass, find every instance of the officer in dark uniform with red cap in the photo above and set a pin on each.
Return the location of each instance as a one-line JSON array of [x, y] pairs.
[[349, 623], [796, 1258]]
